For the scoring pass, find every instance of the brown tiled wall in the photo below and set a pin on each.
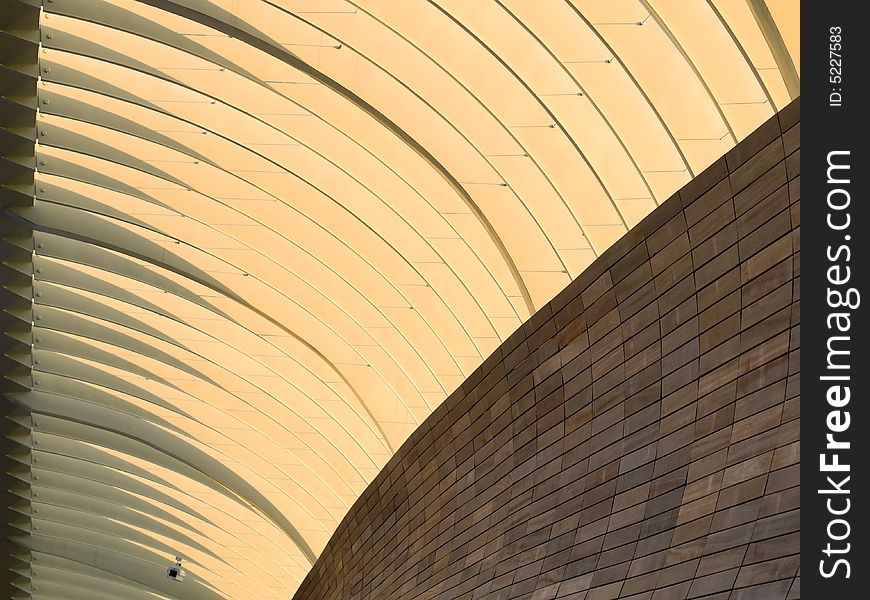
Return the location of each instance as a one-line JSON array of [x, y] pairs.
[[636, 438]]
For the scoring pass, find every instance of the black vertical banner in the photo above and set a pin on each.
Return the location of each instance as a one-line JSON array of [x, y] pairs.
[[835, 370]]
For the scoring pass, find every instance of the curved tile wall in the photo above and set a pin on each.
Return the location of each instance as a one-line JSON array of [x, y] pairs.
[[637, 438]]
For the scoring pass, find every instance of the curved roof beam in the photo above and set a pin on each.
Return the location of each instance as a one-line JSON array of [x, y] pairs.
[[149, 252], [282, 54], [583, 90], [207, 284], [127, 98], [464, 135], [152, 342], [115, 316], [64, 474], [777, 46], [214, 472], [745, 54], [151, 169], [163, 283], [157, 172], [196, 155], [122, 564], [176, 324], [546, 109], [82, 349], [661, 23], [63, 367], [637, 85]]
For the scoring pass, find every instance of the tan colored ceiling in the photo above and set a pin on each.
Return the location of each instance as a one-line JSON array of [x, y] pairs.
[[272, 235]]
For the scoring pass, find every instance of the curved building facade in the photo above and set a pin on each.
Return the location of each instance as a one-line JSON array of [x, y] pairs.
[[249, 247], [637, 438]]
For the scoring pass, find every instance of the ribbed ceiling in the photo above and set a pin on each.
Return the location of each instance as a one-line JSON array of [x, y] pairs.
[[270, 236]]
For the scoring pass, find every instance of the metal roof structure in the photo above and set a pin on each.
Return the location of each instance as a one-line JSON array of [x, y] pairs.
[[256, 242]]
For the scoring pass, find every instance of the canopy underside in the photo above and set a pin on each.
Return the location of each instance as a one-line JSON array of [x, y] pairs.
[[270, 236]]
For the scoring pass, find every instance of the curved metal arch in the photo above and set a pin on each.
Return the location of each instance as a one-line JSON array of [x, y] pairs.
[[447, 121], [129, 343], [550, 113], [144, 399], [149, 489], [185, 324], [374, 267], [414, 268], [150, 331], [189, 275], [123, 483], [106, 576], [49, 494], [54, 583], [240, 550], [232, 296], [213, 471], [158, 75], [119, 520], [147, 548], [102, 259], [156, 172], [58, 576], [637, 85], [107, 13], [91, 284], [97, 394], [582, 89], [79, 334], [101, 509], [154, 376], [188, 441], [86, 529], [193, 326], [91, 521], [134, 391], [293, 61], [122, 123], [131, 566], [132, 167], [88, 470], [156, 498], [124, 320], [781, 55], [103, 524], [667, 30], [59, 437], [157, 109], [336, 151], [744, 54], [83, 410]]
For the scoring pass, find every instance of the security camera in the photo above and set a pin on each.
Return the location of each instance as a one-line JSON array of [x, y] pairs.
[[175, 572]]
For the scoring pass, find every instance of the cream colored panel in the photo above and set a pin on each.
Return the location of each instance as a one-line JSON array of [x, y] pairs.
[[743, 24], [265, 251]]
